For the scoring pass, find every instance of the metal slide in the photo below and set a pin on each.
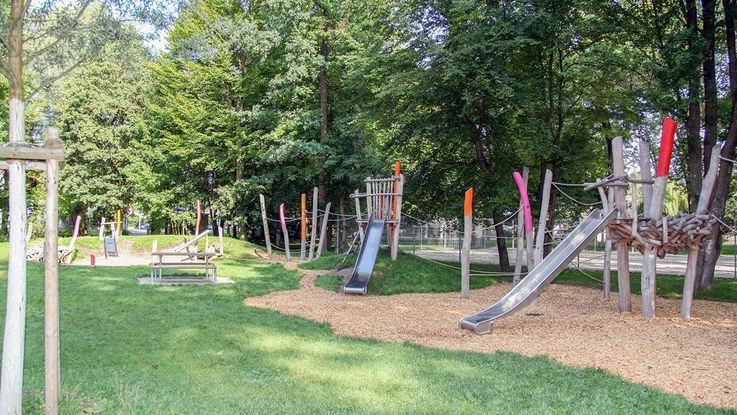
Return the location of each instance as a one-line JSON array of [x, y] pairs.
[[542, 275], [366, 258]]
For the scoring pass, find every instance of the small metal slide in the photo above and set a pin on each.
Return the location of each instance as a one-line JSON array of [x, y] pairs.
[[542, 275], [366, 258]]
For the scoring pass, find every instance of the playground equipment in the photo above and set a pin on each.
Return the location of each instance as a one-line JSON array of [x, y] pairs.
[[188, 255], [384, 208], [542, 275], [17, 158], [110, 244], [652, 235]]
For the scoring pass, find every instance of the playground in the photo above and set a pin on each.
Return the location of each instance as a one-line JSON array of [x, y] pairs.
[[370, 207]]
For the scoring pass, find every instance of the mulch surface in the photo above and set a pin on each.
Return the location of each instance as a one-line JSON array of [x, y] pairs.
[[696, 358]]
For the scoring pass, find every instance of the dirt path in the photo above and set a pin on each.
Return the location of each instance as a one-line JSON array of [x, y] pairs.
[[573, 325]]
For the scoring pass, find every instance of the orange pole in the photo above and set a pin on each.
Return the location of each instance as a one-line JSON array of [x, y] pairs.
[[304, 217], [468, 203]]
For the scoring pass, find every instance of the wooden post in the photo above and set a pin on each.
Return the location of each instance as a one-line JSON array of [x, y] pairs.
[[265, 222], [620, 202], [119, 222], [707, 187], [649, 259], [303, 227], [646, 174], [283, 223], [313, 233], [393, 236], [466, 250], [323, 231], [220, 240], [199, 218], [543, 220], [608, 245], [52, 365], [102, 228], [358, 215], [520, 233], [397, 216]]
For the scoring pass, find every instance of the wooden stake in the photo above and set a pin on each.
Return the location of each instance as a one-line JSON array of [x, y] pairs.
[[265, 222], [623, 263], [649, 256], [466, 250], [646, 174], [397, 216], [323, 231], [313, 233], [303, 227], [707, 188], [520, 233], [102, 228], [51, 289], [358, 215], [540, 243], [283, 223]]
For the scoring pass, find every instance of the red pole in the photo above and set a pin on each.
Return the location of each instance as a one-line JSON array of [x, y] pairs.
[[666, 147]]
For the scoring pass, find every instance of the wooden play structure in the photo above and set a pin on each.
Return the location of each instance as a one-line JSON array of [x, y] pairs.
[[651, 234], [383, 200], [18, 157], [184, 257]]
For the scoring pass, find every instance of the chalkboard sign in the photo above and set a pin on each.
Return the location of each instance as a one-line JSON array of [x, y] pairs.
[[111, 247]]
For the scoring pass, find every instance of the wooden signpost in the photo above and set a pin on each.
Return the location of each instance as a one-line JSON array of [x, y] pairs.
[[17, 158]]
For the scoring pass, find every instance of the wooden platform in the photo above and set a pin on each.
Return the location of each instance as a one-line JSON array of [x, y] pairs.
[[184, 281]]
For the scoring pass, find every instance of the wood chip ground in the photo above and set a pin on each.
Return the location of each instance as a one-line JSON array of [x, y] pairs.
[[696, 358]]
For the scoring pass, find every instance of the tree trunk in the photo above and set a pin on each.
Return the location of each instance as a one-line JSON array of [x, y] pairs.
[[501, 243], [721, 191], [711, 113], [693, 117], [11, 378], [324, 51]]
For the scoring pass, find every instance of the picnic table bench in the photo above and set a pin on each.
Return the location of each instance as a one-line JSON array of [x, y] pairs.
[[189, 260]]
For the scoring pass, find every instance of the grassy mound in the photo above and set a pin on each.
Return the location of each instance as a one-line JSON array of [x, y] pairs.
[[412, 274]]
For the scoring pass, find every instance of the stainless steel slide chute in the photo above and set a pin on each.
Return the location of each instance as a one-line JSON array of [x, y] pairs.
[[366, 258], [542, 275]]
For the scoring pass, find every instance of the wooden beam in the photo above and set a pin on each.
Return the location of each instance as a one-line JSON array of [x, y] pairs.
[[646, 174], [543, 220], [313, 232], [265, 222], [623, 263], [707, 188], [323, 231], [284, 231], [26, 152], [520, 234], [51, 291], [303, 226], [359, 219], [28, 164], [397, 213]]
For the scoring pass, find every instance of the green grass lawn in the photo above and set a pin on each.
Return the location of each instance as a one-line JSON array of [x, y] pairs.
[[130, 349], [411, 274]]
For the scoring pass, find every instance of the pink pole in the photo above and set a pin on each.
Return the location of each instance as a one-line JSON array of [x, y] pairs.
[[76, 226], [525, 201], [281, 216]]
